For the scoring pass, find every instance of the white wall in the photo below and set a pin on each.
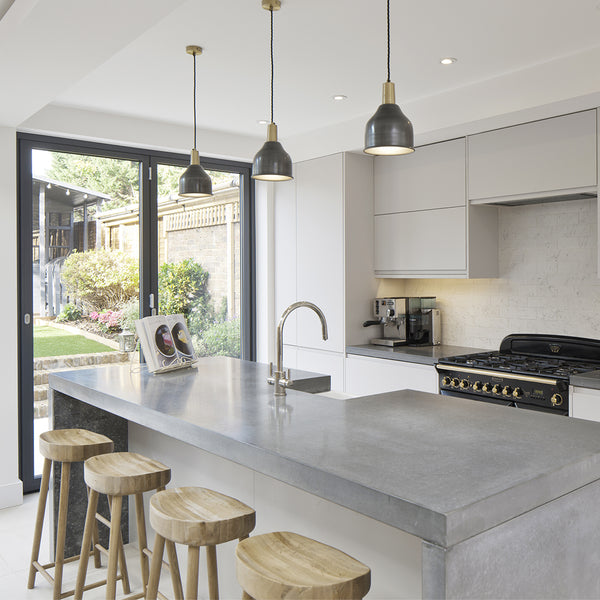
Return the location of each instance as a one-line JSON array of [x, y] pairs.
[[548, 279], [10, 486]]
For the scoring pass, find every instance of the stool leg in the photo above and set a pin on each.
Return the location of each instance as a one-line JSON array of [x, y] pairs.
[[157, 555], [90, 520], [142, 540], [39, 522], [174, 570], [122, 562], [65, 474], [191, 582], [95, 538], [246, 596], [213, 578], [113, 547]]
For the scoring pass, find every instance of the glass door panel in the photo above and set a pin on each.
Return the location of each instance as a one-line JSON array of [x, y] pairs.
[[85, 266], [199, 260]]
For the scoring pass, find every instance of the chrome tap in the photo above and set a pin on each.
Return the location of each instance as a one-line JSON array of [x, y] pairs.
[[279, 377]]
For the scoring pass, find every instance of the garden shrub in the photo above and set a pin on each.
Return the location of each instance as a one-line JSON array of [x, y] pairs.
[[70, 313], [108, 320], [183, 289], [131, 312], [221, 339], [101, 279]]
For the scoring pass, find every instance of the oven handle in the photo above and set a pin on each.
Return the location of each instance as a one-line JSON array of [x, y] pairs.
[[496, 374]]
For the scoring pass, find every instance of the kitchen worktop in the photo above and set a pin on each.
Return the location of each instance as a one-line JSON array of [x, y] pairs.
[[587, 380], [441, 468], [425, 355]]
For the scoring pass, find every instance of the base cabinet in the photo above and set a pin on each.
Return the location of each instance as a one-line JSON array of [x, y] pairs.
[[365, 376], [585, 403]]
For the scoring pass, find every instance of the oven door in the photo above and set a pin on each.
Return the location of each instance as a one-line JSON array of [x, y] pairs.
[[501, 402], [468, 396]]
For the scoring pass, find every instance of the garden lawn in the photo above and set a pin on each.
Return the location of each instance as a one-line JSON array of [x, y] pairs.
[[51, 341]]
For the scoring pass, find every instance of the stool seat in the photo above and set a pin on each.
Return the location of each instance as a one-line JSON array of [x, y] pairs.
[[125, 473], [200, 517], [73, 445], [288, 565]]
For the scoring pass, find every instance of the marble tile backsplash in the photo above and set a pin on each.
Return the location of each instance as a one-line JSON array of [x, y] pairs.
[[548, 279]]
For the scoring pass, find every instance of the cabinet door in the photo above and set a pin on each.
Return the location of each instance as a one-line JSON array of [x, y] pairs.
[[320, 250], [431, 177], [366, 376], [585, 404], [421, 242], [544, 156], [327, 363]]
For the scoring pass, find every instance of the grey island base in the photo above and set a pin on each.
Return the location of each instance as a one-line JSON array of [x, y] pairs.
[[443, 497]]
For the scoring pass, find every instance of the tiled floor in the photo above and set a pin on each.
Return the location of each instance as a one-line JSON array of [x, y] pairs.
[[16, 534]]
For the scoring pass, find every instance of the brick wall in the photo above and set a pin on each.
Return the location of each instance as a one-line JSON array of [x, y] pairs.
[[548, 279], [208, 246]]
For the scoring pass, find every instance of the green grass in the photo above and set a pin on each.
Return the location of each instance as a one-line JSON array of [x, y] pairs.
[[51, 341]]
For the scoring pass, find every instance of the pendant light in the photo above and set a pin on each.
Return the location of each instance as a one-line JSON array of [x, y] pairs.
[[195, 181], [389, 131], [272, 162]]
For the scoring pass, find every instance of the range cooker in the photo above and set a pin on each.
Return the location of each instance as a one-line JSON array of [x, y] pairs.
[[528, 371]]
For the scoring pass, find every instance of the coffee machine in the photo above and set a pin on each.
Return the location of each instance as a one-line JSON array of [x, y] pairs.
[[412, 321]]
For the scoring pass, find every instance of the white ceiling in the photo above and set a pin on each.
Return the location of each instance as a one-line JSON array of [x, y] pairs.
[[128, 57]]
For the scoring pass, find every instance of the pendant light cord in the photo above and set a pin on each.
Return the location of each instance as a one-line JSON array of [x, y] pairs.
[[388, 40], [194, 100], [272, 67]]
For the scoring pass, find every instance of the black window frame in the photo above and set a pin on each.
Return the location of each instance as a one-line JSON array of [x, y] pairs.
[[149, 160]]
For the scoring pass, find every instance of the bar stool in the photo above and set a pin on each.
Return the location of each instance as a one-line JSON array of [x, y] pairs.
[[64, 446], [116, 475], [288, 565], [196, 517]]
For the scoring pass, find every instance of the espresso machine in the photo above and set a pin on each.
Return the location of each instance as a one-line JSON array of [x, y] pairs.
[[406, 321]]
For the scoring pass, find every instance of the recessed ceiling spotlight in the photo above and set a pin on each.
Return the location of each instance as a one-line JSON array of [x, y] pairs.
[[262, 122], [448, 60], [339, 97]]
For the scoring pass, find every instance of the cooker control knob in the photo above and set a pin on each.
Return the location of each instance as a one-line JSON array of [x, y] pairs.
[[487, 387], [454, 382], [496, 389], [517, 393], [556, 399], [446, 380], [507, 391], [464, 384], [477, 386]]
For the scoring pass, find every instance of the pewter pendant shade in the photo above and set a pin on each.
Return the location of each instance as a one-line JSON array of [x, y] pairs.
[[389, 132], [272, 162], [195, 182]]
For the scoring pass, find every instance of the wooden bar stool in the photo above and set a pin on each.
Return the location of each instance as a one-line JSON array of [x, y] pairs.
[[116, 475], [64, 446], [196, 517], [287, 565]]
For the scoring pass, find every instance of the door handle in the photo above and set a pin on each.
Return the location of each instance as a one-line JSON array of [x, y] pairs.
[[27, 318]]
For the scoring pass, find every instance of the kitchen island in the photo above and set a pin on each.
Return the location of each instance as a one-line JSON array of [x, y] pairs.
[[443, 497]]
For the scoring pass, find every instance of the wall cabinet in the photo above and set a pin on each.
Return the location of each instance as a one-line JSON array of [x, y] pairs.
[[585, 403], [552, 157], [423, 226], [365, 376]]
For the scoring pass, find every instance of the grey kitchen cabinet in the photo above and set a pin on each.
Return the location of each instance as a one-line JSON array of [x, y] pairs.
[[554, 157], [323, 253], [423, 225]]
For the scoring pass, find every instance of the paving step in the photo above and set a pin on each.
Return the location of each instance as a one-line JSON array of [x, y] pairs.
[[54, 363]]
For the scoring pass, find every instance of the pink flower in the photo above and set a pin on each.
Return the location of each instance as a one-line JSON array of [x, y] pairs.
[[93, 315]]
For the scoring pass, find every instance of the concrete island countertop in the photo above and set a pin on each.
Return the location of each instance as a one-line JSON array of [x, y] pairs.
[[589, 380], [425, 355], [438, 467]]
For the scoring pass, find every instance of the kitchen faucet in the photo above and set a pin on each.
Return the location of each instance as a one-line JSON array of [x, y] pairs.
[[279, 377]]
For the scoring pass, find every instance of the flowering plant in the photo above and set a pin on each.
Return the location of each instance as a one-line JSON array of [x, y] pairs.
[[108, 320]]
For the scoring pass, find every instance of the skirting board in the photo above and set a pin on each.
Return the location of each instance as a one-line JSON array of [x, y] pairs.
[[11, 494]]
